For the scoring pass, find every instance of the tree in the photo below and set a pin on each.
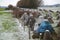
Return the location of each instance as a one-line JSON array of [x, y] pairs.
[[29, 3], [10, 6]]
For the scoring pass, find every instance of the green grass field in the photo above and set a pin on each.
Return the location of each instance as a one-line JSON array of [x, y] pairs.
[[7, 22], [1, 9]]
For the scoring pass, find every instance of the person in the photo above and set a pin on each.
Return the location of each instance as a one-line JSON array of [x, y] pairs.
[[24, 18], [58, 16], [45, 25], [50, 20], [58, 24], [31, 21], [47, 35], [58, 30], [40, 19]]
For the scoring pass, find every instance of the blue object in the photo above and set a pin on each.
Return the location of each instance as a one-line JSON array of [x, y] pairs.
[[45, 25]]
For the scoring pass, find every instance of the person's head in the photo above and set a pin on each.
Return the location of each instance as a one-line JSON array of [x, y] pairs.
[[45, 16], [47, 35], [41, 17], [45, 19], [31, 15], [50, 20], [25, 13], [38, 24]]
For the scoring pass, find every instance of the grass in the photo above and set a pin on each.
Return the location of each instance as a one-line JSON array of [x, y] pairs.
[[1, 9], [7, 22]]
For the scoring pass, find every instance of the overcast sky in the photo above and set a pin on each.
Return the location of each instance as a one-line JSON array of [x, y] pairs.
[[13, 2]]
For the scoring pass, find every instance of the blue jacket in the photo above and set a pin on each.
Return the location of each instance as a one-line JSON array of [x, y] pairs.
[[45, 25]]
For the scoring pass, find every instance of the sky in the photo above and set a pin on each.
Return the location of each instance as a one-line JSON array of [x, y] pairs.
[[13, 2], [51, 2]]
